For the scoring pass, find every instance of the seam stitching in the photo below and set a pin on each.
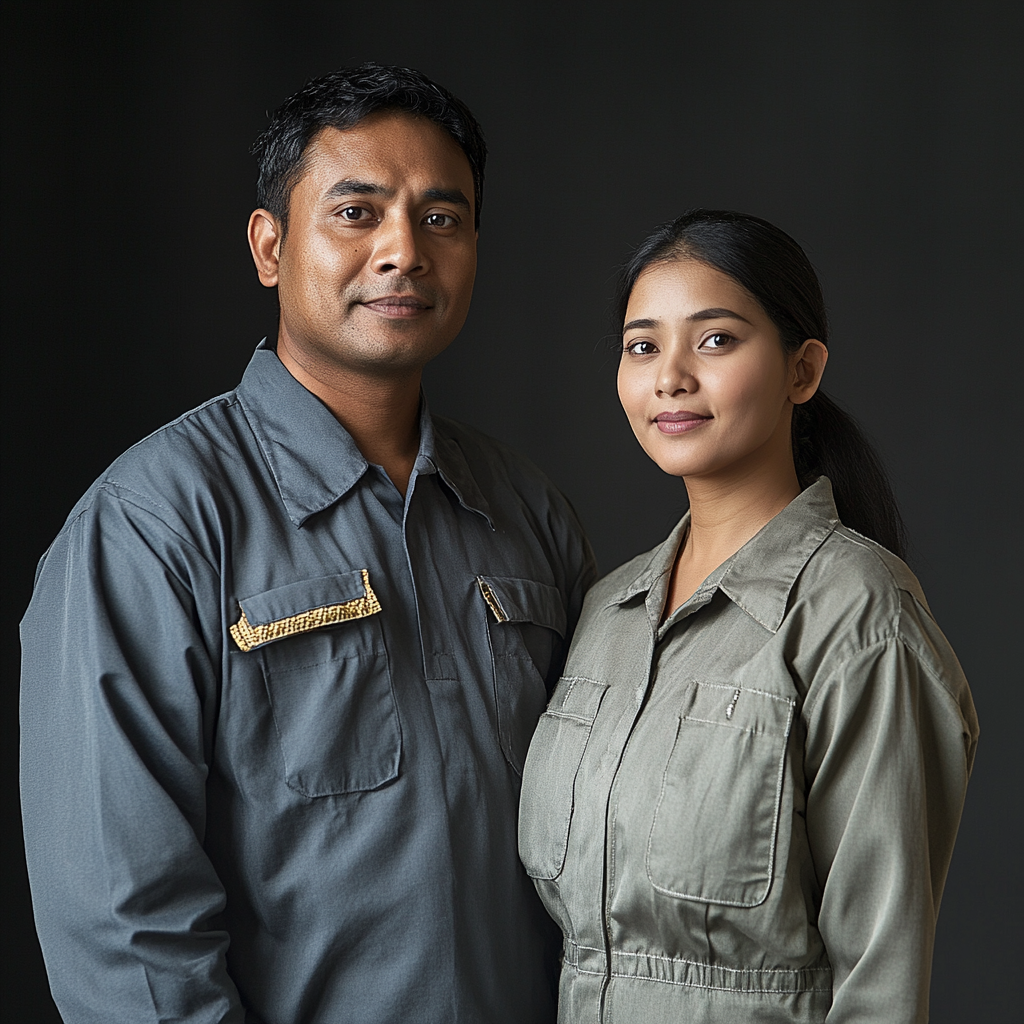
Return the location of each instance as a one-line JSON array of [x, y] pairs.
[[248, 636]]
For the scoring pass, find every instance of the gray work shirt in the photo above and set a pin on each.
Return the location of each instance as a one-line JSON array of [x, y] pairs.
[[746, 813], [274, 718]]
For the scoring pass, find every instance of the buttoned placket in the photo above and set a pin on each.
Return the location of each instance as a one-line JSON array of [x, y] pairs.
[[681, 618]]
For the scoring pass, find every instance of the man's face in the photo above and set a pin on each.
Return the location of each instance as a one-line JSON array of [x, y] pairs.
[[376, 271]]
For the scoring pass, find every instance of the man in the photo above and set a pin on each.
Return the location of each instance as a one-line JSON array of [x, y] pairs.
[[282, 663]]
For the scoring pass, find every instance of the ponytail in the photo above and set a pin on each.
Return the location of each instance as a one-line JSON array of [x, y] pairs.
[[828, 442], [775, 270]]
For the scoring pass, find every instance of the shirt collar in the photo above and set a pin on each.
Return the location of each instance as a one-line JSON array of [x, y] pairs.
[[759, 577], [314, 459], [450, 460]]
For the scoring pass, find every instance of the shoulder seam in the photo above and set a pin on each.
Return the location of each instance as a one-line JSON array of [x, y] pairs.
[[108, 485], [868, 545], [894, 638], [229, 398]]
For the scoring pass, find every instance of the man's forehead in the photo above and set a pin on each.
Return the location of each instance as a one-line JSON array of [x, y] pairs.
[[391, 143]]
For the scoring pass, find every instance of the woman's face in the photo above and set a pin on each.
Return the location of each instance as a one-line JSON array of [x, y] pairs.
[[704, 380]]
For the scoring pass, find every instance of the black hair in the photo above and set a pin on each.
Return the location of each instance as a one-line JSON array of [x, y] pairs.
[[773, 268], [341, 100]]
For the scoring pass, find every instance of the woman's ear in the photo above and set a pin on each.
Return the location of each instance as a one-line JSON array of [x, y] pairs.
[[265, 245], [807, 364]]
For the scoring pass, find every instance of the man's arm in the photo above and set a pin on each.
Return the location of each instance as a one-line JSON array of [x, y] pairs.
[[889, 750], [581, 572], [119, 690]]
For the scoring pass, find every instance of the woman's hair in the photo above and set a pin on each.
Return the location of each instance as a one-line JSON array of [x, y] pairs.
[[776, 271]]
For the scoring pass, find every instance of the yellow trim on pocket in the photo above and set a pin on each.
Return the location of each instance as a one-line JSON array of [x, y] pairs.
[[248, 636]]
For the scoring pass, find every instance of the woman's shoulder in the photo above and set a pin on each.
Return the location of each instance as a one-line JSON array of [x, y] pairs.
[[858, 596], [863, 615], [847, 558]]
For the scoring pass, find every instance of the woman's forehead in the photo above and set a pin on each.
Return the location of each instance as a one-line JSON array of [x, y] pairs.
[[686, 287]]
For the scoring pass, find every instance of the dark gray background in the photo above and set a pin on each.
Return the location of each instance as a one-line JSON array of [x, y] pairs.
[[883, 135]]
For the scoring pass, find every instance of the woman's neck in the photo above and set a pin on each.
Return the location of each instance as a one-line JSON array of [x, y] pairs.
[[727, 510]]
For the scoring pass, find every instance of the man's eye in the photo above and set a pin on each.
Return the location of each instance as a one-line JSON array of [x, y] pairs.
[[640, 348], [354, 213], [716, 341], [439, 220]]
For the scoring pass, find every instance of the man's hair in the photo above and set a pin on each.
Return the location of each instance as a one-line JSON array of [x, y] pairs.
[[341, 100]]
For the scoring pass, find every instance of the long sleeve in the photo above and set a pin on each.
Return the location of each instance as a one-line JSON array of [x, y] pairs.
[[890, 743], [119, 688]]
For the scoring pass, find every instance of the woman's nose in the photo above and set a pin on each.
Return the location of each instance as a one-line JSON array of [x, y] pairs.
[[396, 248], [675, 377]]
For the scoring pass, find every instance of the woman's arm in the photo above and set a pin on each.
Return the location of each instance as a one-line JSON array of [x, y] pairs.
[[890, 744]]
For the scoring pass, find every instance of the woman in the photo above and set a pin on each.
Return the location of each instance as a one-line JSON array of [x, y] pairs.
[[741, 802]]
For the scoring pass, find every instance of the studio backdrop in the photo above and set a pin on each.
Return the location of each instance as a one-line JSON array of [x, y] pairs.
[[883, 135]]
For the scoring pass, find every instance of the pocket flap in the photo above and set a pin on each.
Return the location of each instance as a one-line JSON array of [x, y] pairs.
[[515, 600], [741, 707], [577, 697], [302, 606], [549, 779]]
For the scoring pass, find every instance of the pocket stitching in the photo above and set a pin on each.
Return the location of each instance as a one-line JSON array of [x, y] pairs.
[[724, 725], [503, 726], [778, 803], [288, 773], [570, 718], [564, 835], [248, 637]]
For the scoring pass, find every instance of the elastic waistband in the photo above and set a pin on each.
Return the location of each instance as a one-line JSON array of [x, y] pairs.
[[694, 973]]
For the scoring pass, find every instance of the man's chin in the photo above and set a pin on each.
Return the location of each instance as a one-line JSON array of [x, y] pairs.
[[388, 354]]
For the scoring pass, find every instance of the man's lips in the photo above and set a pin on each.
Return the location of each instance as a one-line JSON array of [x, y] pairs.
[[680, 422], [399, 306]]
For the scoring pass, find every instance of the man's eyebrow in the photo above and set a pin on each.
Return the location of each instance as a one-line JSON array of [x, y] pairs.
[[448, 195], [350, 187], [716, 313]]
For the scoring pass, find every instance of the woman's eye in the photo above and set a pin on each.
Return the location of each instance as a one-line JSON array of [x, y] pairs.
[[640, 348], [716, 341], [439, 220]]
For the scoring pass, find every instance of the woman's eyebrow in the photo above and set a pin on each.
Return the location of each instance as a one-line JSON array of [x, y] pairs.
[[716, 313], [644, 324]]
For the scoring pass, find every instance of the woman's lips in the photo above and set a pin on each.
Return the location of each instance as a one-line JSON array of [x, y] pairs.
[[680, 422]]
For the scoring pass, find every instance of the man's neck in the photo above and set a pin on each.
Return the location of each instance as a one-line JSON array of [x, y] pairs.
[[381, 413]]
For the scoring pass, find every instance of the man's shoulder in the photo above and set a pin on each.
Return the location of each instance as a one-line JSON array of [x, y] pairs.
[[519, 499], [493, 462], [174, 460], [478, 445]]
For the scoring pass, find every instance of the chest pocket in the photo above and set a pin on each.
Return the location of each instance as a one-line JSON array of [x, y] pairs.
[[327, 678], [715, 824], [549, 781], [525, 628]]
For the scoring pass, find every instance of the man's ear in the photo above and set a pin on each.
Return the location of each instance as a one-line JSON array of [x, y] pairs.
[[807, 365], [265, 245]]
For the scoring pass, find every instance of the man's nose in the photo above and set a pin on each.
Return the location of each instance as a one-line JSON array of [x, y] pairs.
[[397, 249]]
